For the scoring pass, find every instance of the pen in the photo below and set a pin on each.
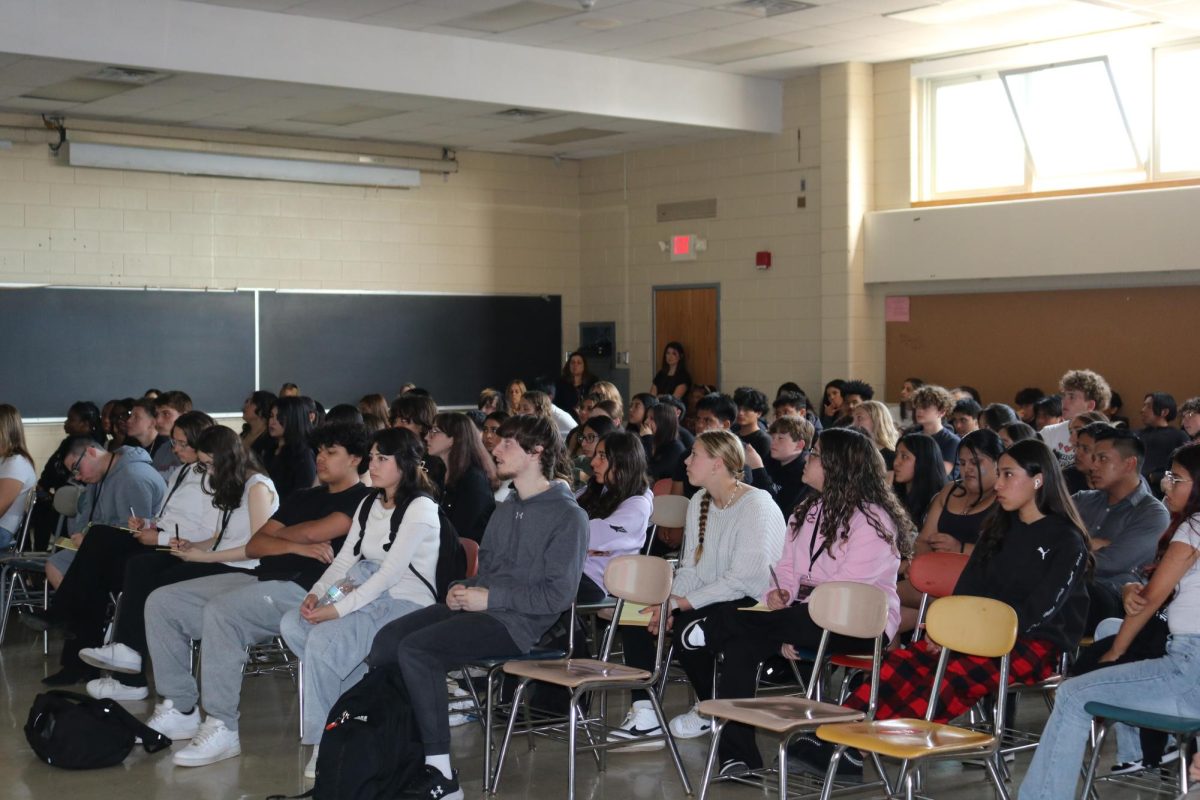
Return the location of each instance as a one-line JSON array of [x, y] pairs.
[[775, 580]]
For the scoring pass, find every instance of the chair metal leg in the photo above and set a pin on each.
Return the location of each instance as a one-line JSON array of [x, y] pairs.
[[518, 696], [572, 736], [908, 787], [781, 760], [45, 607], [300, 692], [1181, 741], [489, 719], [6, 595], [710, 762], [887, 784], [603, 751], [1090, 775], [662, 721], [1001, 790], [831, 772]]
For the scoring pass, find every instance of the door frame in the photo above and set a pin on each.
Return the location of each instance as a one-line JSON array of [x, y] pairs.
[[657, 353]]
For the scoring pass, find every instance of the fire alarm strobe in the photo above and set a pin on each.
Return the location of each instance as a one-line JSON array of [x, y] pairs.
[[762, 259]]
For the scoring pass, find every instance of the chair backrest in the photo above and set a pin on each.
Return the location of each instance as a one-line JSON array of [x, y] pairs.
[[936, 574], [471, 549], [976, 626], [850, 609], [66, 499], [22, 534], [670, 510], [639, 579], [661, 487]]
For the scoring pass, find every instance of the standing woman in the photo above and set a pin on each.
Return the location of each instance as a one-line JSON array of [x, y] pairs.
[[391, 557], [850, 528], [574, 383], [732, 535], [290, 463], [17, 475], [618, 503], [256, 414], [672, 377], [874, 419], [664, 450], [468, 496]]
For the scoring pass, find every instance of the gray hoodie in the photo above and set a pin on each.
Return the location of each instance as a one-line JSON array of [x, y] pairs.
[[530, 561], [132, 482]]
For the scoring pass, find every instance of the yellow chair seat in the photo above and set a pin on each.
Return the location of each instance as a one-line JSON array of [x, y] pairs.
[[575, 672], [905, 738], [779, 714]]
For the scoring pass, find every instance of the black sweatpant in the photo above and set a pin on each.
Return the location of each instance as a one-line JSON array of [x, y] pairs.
[[1104, 601], [429, 642]]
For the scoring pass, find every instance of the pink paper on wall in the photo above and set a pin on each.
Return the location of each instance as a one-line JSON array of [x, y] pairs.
[[895, 309]]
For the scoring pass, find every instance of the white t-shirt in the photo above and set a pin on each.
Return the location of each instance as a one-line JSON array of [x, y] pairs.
[[237, 531], [417, 542], [1183, 614], [1058, 438], [187, 505], [19, 469]]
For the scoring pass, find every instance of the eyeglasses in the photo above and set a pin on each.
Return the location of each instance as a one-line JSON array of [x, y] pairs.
[[74, 471], [180, 445], [589, 438], [1171, 479]]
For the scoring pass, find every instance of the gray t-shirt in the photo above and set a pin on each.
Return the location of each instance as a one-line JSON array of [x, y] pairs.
[[16, 468]]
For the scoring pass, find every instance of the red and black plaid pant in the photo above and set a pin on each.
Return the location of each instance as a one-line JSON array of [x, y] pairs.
[[906, 676]]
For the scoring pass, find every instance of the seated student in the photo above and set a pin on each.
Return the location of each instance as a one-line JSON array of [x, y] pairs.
[[343, 414], [831, 402], [606, 408], [1158, 436], [490, 436], [1164, 685], [1082, 390], [562, 419], [244, 499], [376, 405], [490, 401], [167, 408], [790, 403], [751, 408], [391, 563], [1023, 402], [1015, 432], [575, 382], [930, 405], [289, 390], [414, 412], [1123, 519], [119, 484], [685, 435], [1032, 555], [854, 394], [965, 391], [909, 386], [858, 531], [995, 416], [256, 414], [618, 503], [672, 378], [141, 430], [234, 610], [733, 535], [83, 419], [639, 412], [116, 423], [290, 462], [918, 474], [716, 412], [1189, 418], [17, 475], [586, 437], [874, 419], [1047, 412], [664, 449], [1076, 472], [530, 565], [697, 393], [964, 416], [468, 494]]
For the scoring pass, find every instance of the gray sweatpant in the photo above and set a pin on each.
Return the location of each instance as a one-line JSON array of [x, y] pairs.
[[227, 613]]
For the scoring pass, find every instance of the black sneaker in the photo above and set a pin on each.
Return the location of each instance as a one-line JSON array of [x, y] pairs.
[[68, 676], [433, 785], [811, 756], [1127, 768], [41, 620], [733, 766]]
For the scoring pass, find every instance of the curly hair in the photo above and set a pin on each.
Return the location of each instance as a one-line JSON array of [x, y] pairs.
[[855, 481], [931, 395], [1092, 384]]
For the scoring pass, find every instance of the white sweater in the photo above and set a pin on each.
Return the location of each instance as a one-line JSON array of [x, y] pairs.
[[741, 543], [417, 542]]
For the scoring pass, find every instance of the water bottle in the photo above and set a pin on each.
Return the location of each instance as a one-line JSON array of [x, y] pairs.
[[336, 592]]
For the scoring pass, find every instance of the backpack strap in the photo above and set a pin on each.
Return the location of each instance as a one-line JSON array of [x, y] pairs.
[[364, 511]]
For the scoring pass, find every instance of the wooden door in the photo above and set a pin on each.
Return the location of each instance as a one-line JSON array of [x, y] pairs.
[[689, 316]]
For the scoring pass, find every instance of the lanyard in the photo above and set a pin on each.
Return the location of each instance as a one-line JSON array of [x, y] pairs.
[[183, 473], [815, 552], [225, 515], [99, 489]]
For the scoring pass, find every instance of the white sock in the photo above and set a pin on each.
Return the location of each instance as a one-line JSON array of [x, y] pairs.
[[643, 704], [694, 637], [442, 763]]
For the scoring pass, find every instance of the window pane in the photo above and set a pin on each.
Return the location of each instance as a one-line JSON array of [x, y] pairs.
[[976, 144], [1178, 111], [1072, 120]]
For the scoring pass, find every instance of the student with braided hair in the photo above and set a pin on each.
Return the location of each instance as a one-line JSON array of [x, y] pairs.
[[732, 536]]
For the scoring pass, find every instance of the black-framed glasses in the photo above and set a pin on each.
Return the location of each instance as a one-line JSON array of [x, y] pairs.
[[589, 438], [74, 471]]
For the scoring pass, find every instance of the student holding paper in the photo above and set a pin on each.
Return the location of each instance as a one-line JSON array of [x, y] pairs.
[[852, 528]]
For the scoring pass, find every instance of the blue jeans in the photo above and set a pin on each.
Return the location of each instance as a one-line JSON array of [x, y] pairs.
[[6, 538], [1168, 685]]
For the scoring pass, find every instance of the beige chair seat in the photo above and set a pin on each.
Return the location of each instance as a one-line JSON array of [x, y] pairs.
[[779, 714], [906, 738], [575, 672]]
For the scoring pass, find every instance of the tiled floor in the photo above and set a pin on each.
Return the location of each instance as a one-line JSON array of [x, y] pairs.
[[272, 758]]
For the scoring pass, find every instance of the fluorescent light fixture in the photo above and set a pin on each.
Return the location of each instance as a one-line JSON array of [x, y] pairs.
[[954, 12], [190, 162]]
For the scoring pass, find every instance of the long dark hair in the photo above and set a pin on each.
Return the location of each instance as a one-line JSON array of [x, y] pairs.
[[666, 425], [231, 466], [681, 367], [587, 379], [979, 443], [929, 474], [467, 451], [995, 416], [292, 413], [625, 478], [1052, 499], [1188, 457], [193, 423], [419, 409], [409, 451], [87, 412], [855, 480]]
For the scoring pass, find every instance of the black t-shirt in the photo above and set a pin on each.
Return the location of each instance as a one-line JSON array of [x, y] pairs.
[[307, 505], [666, 384], [947, 441], [1159, 444], [760, 440]]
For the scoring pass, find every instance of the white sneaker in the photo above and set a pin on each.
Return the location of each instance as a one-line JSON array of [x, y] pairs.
[[690, 725], [116, 657], [213, 742], [640, 723], [310, 769], [462, 704], [170, 722], [100, 688]]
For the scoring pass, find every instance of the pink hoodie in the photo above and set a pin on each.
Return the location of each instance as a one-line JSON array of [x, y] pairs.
[[863, 558]]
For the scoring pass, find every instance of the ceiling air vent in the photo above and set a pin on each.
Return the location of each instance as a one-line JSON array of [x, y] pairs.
[[521, 114], [137, 77], [766, 8]]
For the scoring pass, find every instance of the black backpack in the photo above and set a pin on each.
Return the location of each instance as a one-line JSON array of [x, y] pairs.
[[74, 731], [452, 558]]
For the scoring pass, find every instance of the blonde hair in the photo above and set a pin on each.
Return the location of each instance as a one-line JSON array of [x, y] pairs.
[[12, 434], [885, 434], [730, 451]]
